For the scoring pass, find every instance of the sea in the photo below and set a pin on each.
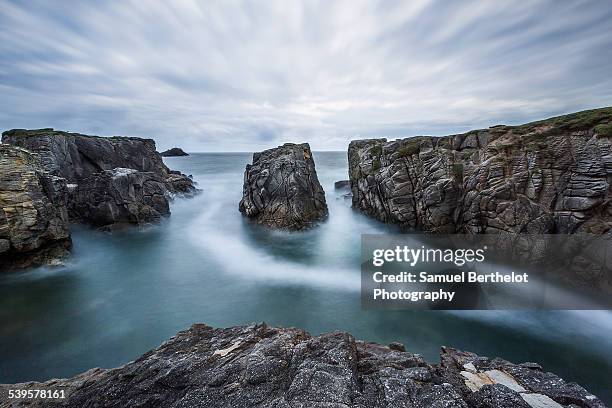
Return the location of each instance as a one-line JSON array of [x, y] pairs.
[[122, 293]]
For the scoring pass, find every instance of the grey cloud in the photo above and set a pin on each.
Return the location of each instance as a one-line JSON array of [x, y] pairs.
[[249, 75]]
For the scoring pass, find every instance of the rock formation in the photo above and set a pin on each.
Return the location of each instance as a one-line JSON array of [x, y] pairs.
[[342, 184], [33, 217], [281, 188], [119, 196], [75, 157], [104, 182], [260, 366], [175, 151], [551, 176]]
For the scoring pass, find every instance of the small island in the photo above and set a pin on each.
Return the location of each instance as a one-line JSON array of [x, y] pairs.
[[174, 152]]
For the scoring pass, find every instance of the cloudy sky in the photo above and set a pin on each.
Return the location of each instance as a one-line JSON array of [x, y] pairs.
[[241, 76]]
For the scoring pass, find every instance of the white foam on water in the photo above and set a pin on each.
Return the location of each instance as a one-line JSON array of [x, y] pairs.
[[239, 259], [563, 326]]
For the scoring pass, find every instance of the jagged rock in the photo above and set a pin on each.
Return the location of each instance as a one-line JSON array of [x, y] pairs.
[[119, 196], [281, 188], [342, 185], [551, 176], [175, 151], [261, 366], [33, 217], [75, 157]]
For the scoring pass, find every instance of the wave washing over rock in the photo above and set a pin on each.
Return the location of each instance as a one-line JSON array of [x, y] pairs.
[[552, 176], [261, 366], [281, 188]]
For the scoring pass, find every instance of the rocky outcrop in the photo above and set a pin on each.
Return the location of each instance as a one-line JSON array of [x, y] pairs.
[[281, 188], [552, 176], [261, 366], [33, 216], [76, 157], [104, 182], [342, 184], [175, 151], [120, 196]]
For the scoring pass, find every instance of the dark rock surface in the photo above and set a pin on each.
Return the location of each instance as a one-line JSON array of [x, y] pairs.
[[260, 366], [342, 184], [281, 188], [119, 196], [552, 176], [75, 157], [33, 216], [175, 151]]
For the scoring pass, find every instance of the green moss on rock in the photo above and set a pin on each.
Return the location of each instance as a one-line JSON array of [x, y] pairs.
[[376, 164], [458, 171], [409, 148], [575, 121], [604, 130]]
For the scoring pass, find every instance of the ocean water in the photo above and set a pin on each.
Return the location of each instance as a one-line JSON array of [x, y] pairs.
[[123, 293]]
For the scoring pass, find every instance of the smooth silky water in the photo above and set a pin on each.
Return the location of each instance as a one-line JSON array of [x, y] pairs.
[[123, 293]]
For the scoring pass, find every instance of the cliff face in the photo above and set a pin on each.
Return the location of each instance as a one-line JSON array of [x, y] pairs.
[[119, 196], [33, 217], [260, 366], [552, 176], [281, 188], [75, 157]]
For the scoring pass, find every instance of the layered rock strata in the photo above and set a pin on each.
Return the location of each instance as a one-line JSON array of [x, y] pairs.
[[261, 366], [281, 188], [551, 176], [33, 216]]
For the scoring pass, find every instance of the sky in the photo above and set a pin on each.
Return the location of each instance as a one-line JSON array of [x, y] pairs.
[[245, 76]]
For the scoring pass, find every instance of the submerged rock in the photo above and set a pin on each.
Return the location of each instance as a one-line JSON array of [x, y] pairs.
[[76, 157], [261, 366], [281, 188], [33, 216], [119, 196], [175, 151], [342, 185], [551, 176]]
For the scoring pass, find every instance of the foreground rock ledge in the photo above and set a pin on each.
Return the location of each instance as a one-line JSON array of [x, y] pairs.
[[281, 188], [261, 366]]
